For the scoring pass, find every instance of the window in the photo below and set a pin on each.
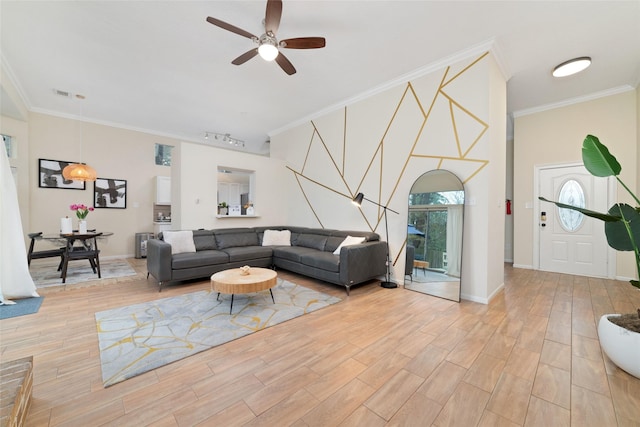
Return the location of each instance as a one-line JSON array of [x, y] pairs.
[[236, 188], [571, 193], [163, 154], [8, 145]]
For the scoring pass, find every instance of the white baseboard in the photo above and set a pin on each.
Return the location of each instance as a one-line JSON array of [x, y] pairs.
[[474, 298], [526, 267]]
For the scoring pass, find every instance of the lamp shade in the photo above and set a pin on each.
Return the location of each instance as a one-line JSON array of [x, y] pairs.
[[79, 172], [358, 199]]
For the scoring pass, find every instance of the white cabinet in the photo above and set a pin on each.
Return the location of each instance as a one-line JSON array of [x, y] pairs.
[[223, 192], [234, 194], [163, 190], [229, 192], [160, 227]]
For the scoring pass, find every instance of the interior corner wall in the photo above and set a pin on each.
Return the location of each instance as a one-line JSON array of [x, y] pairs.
[[554, 137], [453, 118], [196, 172]]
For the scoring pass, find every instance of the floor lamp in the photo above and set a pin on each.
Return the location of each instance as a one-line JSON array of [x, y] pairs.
[[358, 202]]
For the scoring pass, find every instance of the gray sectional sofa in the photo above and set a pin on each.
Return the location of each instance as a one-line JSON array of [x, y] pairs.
[[310, 252]]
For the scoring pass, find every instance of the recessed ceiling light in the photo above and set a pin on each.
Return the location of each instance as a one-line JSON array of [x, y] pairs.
[[571, 66]]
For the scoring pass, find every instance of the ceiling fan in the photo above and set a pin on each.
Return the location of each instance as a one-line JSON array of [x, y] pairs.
[[268, 44]]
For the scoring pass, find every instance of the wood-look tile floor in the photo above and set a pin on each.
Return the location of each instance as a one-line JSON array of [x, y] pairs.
[[381, 357]]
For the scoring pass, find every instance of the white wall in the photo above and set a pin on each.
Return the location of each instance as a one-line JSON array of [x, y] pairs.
[[555, 136], [381, 145], [195, 169], [113, 153]]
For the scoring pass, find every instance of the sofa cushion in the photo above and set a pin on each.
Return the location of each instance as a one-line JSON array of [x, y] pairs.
[[292, 253], [233, 239], [180, 241], [348, 241], [332, 243], [248, 253], [313, 241], [322, 260], [198, 259], [276, 238], [204, 240], [369, 236]]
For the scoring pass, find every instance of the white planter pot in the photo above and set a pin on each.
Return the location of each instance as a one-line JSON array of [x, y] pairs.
[[620, 345]]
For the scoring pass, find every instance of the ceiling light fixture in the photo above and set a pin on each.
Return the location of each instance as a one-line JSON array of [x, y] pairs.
[[225, 137], [268, 47], [79, 171], [571, 66]]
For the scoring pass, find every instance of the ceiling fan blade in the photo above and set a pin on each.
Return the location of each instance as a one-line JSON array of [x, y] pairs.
[[229, 27], [285, 64], [304, 43], [272, 16], [245, 57]]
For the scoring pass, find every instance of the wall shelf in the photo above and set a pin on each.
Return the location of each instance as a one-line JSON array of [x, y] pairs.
[[237, 216]]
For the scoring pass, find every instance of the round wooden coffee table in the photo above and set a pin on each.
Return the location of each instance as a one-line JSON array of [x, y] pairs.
[[233, 282]]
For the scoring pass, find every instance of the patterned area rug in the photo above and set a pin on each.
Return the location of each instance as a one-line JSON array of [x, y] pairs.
[[45, 271], [141, 337]]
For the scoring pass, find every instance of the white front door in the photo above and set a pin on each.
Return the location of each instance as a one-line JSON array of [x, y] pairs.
[[570, 242]]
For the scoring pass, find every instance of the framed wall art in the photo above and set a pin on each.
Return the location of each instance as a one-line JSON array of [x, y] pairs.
[[50, 175], [110, 193]]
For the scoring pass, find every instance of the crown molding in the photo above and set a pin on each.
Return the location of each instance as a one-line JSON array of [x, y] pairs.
[[478, 49], [15, 88], [573, 101], [177, 137]]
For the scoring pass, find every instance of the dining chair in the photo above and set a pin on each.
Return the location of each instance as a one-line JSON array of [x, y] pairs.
[[50, 253], [88, 249]]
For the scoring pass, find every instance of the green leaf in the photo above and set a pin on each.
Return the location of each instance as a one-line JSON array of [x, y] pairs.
[[597, 158], [616, 232], [611, 217]]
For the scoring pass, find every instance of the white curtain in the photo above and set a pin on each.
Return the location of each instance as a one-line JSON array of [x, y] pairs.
[[454, 239], [15, 280]]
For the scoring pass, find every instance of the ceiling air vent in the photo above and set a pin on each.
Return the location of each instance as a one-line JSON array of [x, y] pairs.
[[62, 93]]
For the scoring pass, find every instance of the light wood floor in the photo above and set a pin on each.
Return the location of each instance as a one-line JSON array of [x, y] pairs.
[[380, 357]]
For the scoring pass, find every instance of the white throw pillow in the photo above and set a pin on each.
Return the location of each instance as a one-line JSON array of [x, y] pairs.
[[180, 241], [350, 240], [276, 238]]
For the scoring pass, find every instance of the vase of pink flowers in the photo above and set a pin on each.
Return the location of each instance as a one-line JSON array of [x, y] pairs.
[[81, 212]]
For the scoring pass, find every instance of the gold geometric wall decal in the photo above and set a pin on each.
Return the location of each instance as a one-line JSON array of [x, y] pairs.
[[439, 130]]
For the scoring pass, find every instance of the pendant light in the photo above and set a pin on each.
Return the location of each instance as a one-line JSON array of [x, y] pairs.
[[79, 171]]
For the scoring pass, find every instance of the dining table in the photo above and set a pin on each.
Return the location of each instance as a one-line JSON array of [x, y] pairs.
[[78, 246]]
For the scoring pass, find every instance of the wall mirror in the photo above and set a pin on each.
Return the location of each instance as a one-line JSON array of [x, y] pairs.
[[236, 187], [434, 235]]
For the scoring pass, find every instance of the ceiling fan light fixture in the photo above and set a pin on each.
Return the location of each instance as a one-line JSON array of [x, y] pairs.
[[268, 48], [571, 66]]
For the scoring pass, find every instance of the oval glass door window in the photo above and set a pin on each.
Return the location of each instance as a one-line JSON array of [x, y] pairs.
[[571, 193]]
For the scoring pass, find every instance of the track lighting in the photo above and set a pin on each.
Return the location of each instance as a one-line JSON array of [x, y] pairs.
[[224, 137]]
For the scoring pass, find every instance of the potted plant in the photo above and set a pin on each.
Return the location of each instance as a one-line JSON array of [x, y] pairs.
[[223, 208], [619, 334]]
